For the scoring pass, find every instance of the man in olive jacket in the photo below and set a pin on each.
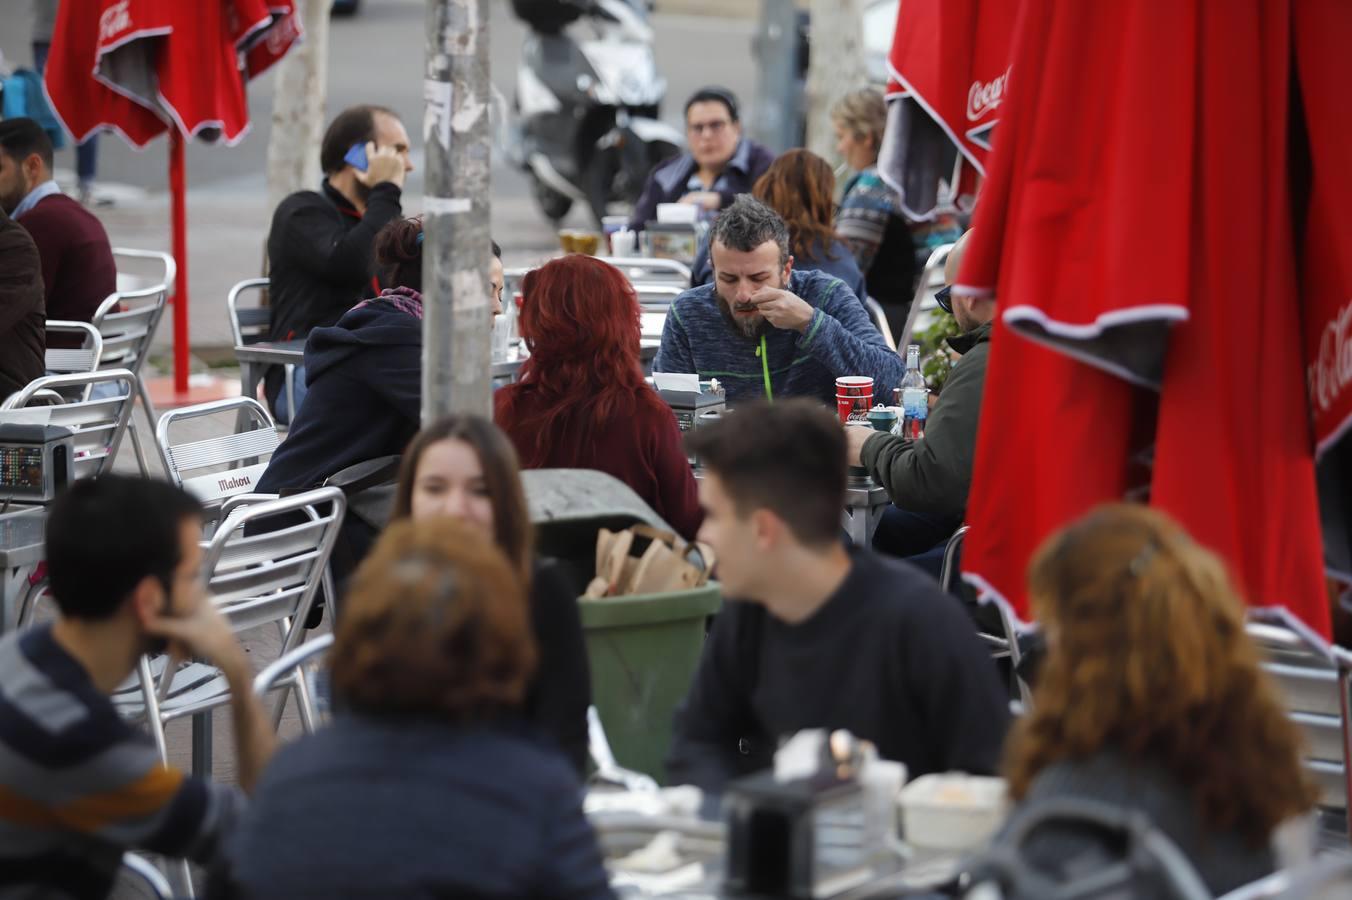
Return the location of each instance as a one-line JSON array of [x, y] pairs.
[[928, 479]]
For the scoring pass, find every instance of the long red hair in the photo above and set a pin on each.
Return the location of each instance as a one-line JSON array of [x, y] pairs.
[[580, 319]]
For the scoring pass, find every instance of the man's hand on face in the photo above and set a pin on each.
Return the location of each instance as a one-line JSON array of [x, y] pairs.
[[855, 438], [783, 309], [382, 165], [710, 200], [197, 629]]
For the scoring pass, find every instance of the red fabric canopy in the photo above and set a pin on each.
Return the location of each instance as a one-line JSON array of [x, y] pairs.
[[1137, 229], [949, 68], [133, 66]]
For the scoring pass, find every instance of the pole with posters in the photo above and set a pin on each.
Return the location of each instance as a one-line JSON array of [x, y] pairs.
[[457, 316], [779, 89]]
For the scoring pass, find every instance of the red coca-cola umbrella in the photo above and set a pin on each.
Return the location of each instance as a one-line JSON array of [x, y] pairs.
[[145, 67], [1139, 228], [949, 68]]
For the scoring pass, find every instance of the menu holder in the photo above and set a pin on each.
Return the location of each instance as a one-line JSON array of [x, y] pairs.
[[671, 240]]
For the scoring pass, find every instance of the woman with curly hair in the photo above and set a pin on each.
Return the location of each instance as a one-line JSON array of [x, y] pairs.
[[1151, 698], [799, 186], [581, 401], [424, 784]]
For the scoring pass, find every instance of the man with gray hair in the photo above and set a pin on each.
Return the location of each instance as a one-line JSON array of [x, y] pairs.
[[765, 330]]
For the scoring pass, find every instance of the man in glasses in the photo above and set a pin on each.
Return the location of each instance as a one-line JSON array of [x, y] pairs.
[[719, 165], [928, 479]]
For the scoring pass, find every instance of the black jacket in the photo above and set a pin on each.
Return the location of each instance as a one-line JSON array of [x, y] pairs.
[[933, 475], [669, 180], [559, 694], [23, 312], [365, 393], [320, 259]]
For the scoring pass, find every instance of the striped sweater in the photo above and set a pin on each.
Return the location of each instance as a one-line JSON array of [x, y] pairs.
[[841, 340], [78, 785]]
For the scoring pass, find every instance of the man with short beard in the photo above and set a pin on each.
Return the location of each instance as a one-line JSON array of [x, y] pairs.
[[78, 783], [320, 244], [764, 330]]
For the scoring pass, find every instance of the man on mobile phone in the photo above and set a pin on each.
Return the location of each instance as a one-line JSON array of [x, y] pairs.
[[78, 784], [320, 244]]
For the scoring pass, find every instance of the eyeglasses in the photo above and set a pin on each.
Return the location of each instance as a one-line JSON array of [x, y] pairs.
[[942, 298], [698, 128]]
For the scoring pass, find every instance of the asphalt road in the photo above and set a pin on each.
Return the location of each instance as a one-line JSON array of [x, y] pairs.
[[376, 57]]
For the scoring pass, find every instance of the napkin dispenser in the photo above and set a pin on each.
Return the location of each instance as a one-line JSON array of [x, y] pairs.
[[690, 405], [802, 839], [36, 462]]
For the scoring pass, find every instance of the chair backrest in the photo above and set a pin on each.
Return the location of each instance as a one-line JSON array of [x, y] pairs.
[[931, 279], [650, 268], [99, 423], [1312, 679], [879, 317], [248, 324], [75, 360], [138, 269], [657, 295], [214, 468], [265, 563], [1325, 878], [304, 662], [127, 320], [148, 880]]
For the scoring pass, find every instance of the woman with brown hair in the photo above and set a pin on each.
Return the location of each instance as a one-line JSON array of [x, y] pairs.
[[1151, 698], [464, 468], [422, 786], [799, 186]]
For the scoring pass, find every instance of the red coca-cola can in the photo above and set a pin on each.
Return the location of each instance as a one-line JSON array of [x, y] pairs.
[[854, 398]]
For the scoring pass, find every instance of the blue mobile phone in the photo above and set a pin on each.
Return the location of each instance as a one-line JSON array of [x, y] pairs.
[[356, 157]]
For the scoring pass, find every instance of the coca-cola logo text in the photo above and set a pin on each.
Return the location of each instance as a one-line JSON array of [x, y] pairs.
[[985, 96], [1331, 372], [115, 18]]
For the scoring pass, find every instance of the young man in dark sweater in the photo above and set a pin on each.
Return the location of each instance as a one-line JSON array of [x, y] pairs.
[[320, 261], [821, 637], [78, 272], [22, 320]]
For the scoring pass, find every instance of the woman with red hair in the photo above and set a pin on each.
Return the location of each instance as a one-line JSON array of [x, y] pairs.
[[581, 401]]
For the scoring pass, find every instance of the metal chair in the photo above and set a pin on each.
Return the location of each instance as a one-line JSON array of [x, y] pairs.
[[127, 259], [301, 664], [257, 577], [213, 469], [140, 872], [650, 268], [251, 325], [127, 322], [1004, 645], [931, 279], [1313, 679], [607, 769], [879, 316], [1326, 878], [98, 422], [73, 360], [657, 296]]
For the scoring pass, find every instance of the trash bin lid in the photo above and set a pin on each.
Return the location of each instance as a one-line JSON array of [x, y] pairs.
[[582, 495]]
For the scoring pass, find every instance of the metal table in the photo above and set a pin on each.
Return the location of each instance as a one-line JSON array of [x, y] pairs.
[[865, 501], [253, 358], [21, 550]]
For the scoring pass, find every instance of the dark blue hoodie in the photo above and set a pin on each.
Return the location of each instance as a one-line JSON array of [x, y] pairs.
[[365, 393]]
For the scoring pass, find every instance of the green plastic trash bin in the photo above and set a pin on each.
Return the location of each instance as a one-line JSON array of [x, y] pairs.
[[643, 651]]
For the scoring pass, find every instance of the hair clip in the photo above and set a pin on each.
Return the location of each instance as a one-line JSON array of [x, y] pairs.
[[1138, 564], [420, 237]]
